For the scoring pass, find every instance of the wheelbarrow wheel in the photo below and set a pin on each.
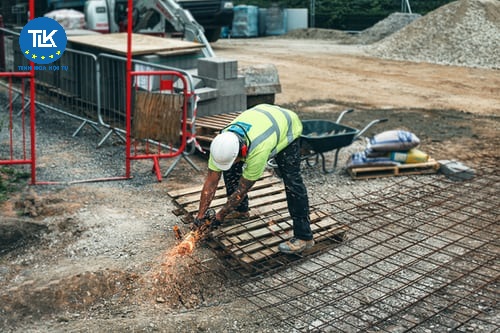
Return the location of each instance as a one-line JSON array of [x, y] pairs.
[[311, 159]]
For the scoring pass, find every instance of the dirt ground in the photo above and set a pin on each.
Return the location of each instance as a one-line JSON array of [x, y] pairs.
[[454, 108], [98, 243]]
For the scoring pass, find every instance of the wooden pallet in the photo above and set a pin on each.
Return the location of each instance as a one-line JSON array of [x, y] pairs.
[[208, 127], [252, 246], [428, 167]]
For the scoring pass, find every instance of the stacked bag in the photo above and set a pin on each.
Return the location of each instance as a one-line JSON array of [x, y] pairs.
[[69, 19], [392, 147]]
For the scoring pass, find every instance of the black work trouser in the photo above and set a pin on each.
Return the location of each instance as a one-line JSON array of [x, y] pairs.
[[231, 180], [288, 161]]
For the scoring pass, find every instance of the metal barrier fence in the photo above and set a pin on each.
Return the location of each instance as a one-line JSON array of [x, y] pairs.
[[91, 89], [157, 117], [17, 138]]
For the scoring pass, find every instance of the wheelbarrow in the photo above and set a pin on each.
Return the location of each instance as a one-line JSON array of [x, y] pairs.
[[321, 136]]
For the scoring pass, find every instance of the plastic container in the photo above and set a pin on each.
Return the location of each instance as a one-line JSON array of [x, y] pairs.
[[276, 21], [411, 156]]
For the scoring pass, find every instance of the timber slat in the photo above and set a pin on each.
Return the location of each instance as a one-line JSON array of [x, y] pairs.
[[196, 189], [269, 252], [259, 223], [247, 242], [191, 208], [207, 127], [221, 191], [275, 240], [218, 121]]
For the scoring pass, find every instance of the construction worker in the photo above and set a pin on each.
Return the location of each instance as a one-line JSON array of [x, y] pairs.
[[241, 151]]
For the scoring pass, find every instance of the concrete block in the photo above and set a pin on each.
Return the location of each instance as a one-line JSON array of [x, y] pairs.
[[456, 170], [217, 68], [223, 104], [227, 87], [206, 93]]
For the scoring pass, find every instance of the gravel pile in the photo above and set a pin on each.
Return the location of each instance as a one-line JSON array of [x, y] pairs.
[[386, 27], [382, 29], [462, 33]]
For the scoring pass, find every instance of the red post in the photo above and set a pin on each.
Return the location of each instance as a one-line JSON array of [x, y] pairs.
[[128, 93], [32, 107]]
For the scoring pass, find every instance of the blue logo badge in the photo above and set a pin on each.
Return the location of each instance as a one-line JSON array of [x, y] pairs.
[[43, 40]]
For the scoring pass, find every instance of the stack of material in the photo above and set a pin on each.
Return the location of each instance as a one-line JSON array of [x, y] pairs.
[[68, 18], [245, 21], [391, 153]]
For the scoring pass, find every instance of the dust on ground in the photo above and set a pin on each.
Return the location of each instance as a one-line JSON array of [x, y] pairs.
[[86, 253]]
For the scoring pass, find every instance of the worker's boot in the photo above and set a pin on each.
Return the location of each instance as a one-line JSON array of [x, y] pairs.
[[235, 217], [295, 245]]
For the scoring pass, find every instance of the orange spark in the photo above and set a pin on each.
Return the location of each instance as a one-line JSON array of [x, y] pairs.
[[187, 245]]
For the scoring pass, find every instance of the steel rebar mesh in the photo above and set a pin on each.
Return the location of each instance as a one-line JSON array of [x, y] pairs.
[[421, 256]]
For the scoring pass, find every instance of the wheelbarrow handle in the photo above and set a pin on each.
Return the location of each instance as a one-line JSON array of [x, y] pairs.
[[373, 122], [342, 115]]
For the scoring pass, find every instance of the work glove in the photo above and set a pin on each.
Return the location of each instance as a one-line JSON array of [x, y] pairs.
[[215, 223], [197, 223], [210, 216]]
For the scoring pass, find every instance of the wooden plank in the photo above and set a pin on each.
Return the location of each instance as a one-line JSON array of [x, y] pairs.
[[252, 249], [221, 191], [218, 118], [186, 50], [267, 229], [141, 44], [269, 234], [220, 196], [215, 122], [394, 170], [190, 190], [191, 208], [268, 209], [204, 138], [249, 237], [273, 251], [262, 221]]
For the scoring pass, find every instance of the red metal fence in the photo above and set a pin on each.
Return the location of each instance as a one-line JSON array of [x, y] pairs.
[[83, 93], [18, 142]]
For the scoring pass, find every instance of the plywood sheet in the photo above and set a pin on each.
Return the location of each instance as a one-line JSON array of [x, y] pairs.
[[141, 44]]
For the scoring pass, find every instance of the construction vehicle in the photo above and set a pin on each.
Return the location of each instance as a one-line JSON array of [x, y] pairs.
[[152, 16], [149, 16], [236, 90], [212, 15]]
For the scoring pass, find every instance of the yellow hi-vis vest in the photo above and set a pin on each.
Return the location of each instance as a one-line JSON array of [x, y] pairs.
[[267, 129]]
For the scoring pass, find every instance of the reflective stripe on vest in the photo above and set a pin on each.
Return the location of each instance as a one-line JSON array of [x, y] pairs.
[[274, 128]]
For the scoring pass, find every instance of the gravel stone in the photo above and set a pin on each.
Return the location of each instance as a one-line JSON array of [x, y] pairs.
[[462, 33]]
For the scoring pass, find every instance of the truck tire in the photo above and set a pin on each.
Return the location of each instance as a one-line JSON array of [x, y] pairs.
[[213, 34]]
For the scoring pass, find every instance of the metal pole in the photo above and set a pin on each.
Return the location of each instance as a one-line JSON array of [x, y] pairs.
[[312, 22], [408, 6], [405, 6], [128, 93]]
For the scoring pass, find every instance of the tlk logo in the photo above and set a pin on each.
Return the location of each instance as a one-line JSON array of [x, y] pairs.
[[43, 39]]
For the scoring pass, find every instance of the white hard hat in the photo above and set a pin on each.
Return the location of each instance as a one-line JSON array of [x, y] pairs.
[[224, 149]]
